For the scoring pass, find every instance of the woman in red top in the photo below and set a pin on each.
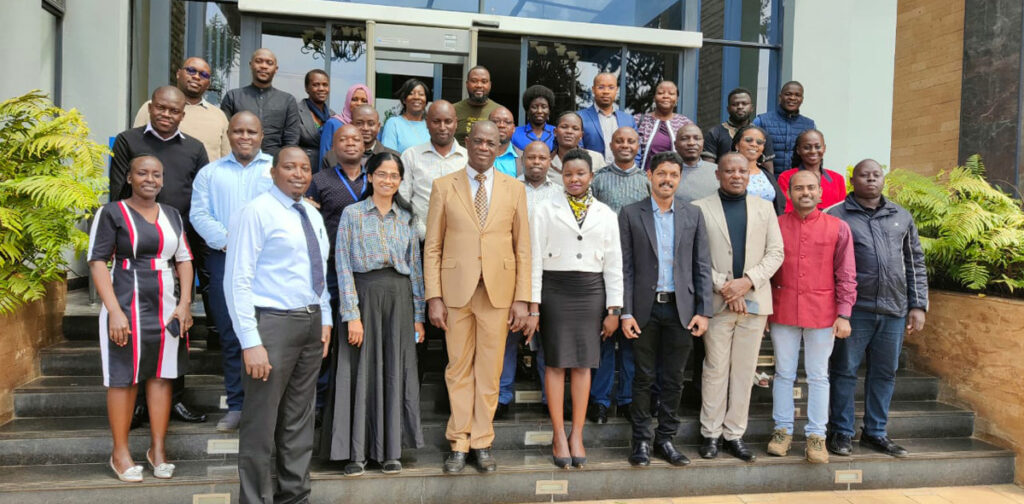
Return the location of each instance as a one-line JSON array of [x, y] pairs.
[[809, 154]]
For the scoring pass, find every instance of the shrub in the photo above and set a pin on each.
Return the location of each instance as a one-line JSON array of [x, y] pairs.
[[51, 178]]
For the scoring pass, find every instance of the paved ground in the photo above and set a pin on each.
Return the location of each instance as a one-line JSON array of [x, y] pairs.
[[997, 494]]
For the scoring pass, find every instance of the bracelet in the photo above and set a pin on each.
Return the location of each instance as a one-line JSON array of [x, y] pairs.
[[534, 314]]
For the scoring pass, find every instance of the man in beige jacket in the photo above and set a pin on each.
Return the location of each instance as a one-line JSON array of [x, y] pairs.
[[746, 249], [476, 269]]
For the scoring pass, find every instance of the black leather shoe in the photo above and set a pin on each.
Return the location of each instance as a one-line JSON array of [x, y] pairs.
[[455, 462], [502, 411], [641, 455], [484, 460], [622, 410], [598, 414], [668, 452], [737, 448], [709, 448], [883, 444], [839, 444], [183, 413], [140, 415]]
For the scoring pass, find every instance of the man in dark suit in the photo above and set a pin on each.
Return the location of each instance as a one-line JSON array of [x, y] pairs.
[[666, 267]]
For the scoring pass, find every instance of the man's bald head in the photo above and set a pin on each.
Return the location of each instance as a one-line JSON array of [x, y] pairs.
[[365, 117], [482, 145], [625, 144], [166, 110], [263, 66], [245, 134], [348, 145], [868, 180], [441, 123], [506, 122], [536, 162], [170, 93], [263, 52]]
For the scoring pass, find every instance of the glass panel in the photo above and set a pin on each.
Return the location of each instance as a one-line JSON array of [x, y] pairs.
[[389, 79], [299, 48], [569, 70], [666, 14], [449, 5], [644, 70], [348, 62], [220, 48], [724, 68], [745, 20]]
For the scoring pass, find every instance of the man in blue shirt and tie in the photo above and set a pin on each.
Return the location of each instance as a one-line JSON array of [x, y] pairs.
[[277, 296], [220, 189]]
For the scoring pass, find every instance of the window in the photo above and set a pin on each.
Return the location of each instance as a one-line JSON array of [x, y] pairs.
[[569, 69]]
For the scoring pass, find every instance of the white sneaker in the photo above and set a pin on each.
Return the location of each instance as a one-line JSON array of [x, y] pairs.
[[230, 422]]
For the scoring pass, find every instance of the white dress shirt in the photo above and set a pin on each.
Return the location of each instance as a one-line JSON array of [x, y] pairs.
[[539, 194], [423, 165]]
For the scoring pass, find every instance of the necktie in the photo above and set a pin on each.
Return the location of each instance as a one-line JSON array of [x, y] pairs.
[[480, 201], [316, 262]]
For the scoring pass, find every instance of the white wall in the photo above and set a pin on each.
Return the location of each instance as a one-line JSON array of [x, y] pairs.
[[28, 37], [843, 52]]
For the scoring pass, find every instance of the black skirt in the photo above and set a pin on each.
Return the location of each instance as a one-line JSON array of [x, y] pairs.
[[571, 310]]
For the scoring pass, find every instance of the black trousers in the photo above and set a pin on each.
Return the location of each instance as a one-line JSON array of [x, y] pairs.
[[662, 340]]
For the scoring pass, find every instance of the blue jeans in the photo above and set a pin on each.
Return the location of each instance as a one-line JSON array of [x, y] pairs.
[[880, 339], [507, 392], [817, 349], [230, 349], [604, 376]]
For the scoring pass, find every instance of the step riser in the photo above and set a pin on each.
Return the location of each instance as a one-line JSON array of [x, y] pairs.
[[78, 450], [87, 327], [591, 484], [89, 364], [34, 404]]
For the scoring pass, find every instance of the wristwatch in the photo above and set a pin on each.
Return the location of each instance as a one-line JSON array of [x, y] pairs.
[[534, 314], [614, 311], [844, 317]]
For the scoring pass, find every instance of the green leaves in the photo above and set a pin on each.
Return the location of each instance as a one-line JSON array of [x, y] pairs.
[[972, 233], [51, 178]]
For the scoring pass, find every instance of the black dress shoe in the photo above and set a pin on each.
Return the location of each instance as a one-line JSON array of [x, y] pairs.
[[140, 415], [709, 448], [501, 412], [641, 455], [455, 462], [182, 413], [484, 460], [668, 452], [737, 448], [883, 444], [598, 414], [622, 410], [839, 444]]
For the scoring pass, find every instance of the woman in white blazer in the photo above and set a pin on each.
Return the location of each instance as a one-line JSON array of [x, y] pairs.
[[577, 292]]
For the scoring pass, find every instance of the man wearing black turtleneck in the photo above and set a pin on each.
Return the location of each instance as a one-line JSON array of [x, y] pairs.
[[746, 249]]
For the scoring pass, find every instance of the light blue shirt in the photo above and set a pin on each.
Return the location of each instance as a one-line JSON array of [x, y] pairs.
[[400, 133], [664, 228], [268, 262], [222, 188], [506, 163]]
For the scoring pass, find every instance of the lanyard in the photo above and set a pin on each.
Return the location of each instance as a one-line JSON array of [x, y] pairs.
[[344, 180]]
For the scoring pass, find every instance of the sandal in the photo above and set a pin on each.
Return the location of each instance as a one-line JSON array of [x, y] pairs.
[[391, 467], [131, 475], [762, 379], [163, 470], [355, 468]]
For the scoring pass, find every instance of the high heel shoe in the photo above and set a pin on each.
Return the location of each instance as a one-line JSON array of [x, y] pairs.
[[561, 462], [579, 462], [131, 475], [163, 470]]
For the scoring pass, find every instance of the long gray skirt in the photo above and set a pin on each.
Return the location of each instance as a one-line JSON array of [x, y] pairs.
[[571, 311], [376, 403]]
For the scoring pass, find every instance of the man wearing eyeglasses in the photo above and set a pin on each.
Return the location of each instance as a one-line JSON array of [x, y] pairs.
[[510, 160], [601, 120], [203, 120]]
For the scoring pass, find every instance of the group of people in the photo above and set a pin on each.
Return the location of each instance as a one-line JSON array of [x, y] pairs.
[[327, 248]]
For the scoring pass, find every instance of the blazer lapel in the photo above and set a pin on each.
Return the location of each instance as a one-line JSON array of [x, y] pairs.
[[564, 214], [647, 217], [678, 218], [717, 217], [499, 192], [461, 182]]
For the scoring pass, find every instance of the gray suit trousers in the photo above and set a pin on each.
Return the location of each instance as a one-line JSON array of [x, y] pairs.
[[277, 414]]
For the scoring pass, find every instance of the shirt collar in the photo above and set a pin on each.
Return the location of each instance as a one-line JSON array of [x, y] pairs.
[[454, 151], [599, 113], [695, 165], [259, 157], [471, 173], [547, 182], [510, 150], [281, 197], [370, 207], [150, 130], [657, 209]]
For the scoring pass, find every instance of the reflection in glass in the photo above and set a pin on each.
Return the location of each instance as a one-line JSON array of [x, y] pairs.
[[666, 14], [299, 48], [448, 5], [221, 48], [569, 70], [723, 68], [644, 70], [348, 61], [752, 22]]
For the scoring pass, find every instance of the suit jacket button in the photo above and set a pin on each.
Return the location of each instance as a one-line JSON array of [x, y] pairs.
[[579, 237], [549, 254], [579, 256]]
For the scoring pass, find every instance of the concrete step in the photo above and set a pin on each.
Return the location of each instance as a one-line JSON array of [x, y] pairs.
[[82, 358], [82, 326], [70, 396], [86, 439], [933, 462]]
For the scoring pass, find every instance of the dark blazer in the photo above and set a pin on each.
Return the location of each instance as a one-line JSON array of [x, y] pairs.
[[309, 133], [593, 138], [691, 261]]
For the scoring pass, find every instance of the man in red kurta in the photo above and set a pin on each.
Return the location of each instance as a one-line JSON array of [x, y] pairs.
[[813, 294]]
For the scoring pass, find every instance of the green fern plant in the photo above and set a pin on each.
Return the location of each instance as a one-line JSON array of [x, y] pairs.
[[972, 233], [51, 178]]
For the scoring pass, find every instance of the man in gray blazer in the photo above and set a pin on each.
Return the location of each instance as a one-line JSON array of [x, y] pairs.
[[666, 267]]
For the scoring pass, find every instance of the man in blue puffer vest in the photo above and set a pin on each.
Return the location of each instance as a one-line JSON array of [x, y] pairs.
[[785, 123]]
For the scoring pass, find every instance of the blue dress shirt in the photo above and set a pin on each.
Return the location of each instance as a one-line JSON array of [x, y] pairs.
[[523, 135], [222, 188], [664, 228], [268, 262], [506, 163]]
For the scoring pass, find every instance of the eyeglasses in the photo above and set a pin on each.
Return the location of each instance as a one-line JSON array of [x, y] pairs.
[[503, 121], [605, 88], [759, 141], [193, 71]]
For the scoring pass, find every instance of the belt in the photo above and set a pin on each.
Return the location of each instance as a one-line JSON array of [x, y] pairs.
[[142, 264], [664, 297], [313, 308]]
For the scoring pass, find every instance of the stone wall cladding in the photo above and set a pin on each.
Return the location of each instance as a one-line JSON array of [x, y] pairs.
[[22, 334]]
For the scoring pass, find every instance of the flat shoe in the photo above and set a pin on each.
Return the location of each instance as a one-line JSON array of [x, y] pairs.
[[131, 475], [391, 467], [355, 468], [162, 471]]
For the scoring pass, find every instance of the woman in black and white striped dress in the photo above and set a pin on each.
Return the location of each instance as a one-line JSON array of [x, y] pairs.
[[143, 326]]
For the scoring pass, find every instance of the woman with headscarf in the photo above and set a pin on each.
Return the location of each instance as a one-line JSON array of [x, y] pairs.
[[357, 94]]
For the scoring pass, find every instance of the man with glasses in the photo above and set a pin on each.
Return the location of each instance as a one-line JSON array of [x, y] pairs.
[[203, 121], [601, 120], [509, 161], [477, 105], [278, 111]]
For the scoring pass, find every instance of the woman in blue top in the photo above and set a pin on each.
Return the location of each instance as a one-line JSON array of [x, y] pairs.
[[409, 128]]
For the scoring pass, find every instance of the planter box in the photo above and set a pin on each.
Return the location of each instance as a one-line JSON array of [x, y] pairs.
[[22, 334], [976, 346]]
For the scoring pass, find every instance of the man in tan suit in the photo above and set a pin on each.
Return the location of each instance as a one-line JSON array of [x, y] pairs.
[[746, 249], [476, 267]]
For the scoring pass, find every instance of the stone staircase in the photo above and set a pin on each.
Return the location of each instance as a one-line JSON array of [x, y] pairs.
[[56, 447]]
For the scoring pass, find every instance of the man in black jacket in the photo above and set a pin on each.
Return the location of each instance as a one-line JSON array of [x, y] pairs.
[[892, 295], [666, 269]]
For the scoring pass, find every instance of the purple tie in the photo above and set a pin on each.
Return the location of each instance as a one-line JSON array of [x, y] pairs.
[[313, 247]]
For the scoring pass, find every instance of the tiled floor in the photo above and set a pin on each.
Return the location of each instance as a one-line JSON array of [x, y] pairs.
[[996, 494]]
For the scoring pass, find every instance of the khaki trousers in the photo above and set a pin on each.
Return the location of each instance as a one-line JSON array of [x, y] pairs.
[[732, 343], [476, 349]]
